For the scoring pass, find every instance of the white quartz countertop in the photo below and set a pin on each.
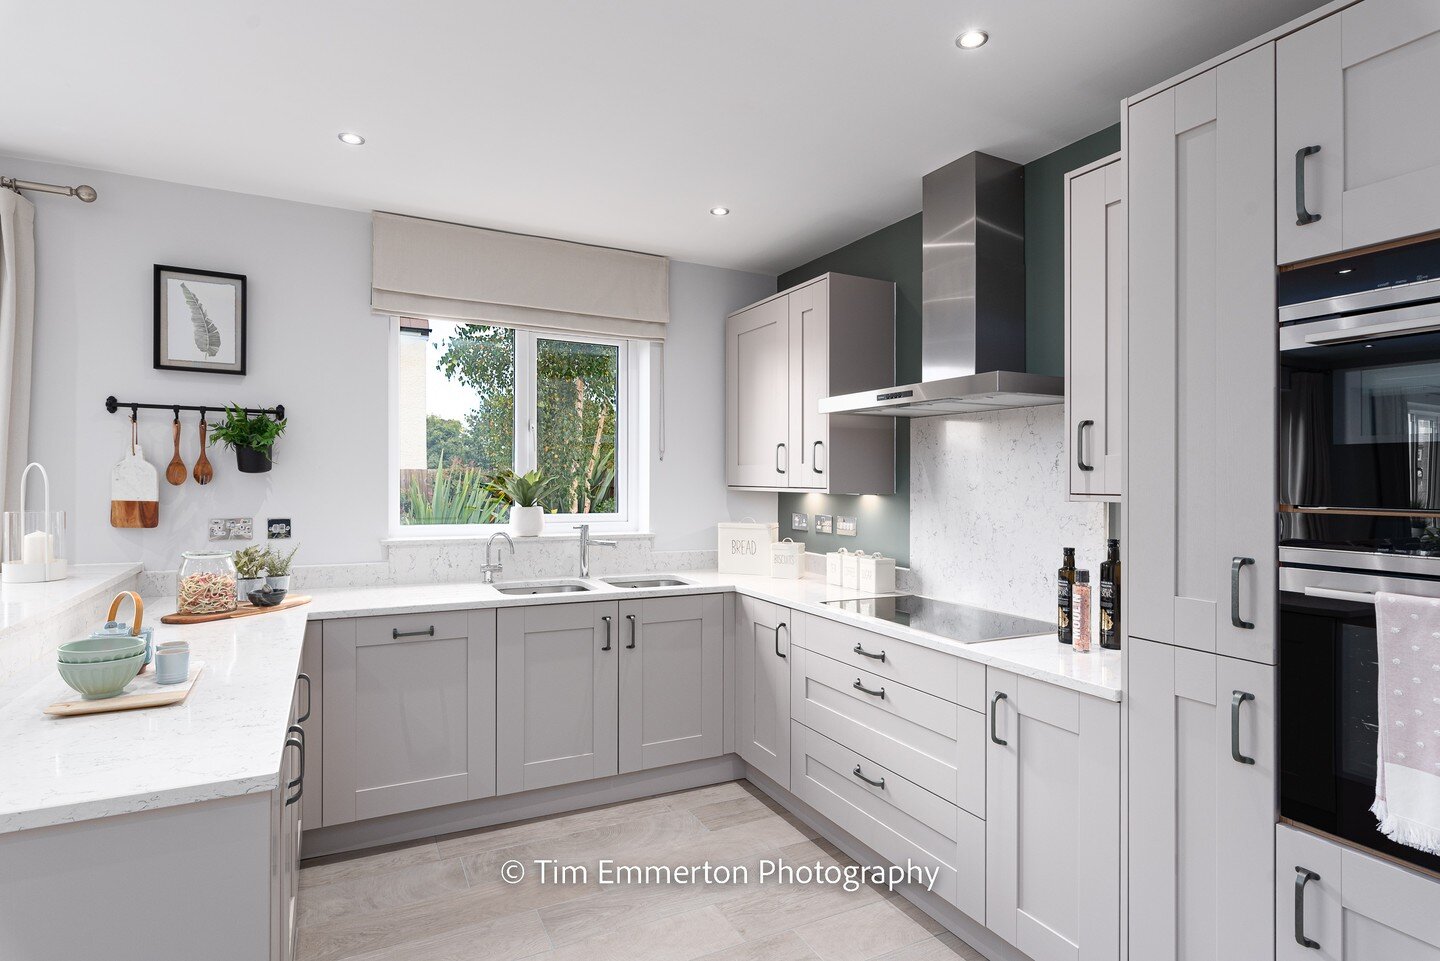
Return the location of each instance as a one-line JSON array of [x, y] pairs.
[[23, 604]]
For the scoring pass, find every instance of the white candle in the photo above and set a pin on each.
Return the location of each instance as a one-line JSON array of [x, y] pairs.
[[37, 547]]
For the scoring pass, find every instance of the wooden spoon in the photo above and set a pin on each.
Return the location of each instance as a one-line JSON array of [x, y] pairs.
[[176, 472], [204, 473]]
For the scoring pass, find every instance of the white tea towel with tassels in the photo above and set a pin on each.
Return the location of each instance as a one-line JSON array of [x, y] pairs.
[[1407, 780]]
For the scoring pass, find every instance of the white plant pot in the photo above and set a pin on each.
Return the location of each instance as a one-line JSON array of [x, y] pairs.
[[244, 585], [527, 521], [278, 582]]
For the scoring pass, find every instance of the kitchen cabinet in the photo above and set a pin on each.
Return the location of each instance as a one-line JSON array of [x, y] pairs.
[[288, 810], [763, 633], [1095, 292], [1357, 151], [1202, 781], [831, 335], [409, 713], [672, 685], [1052, 821], [1333, 903], [558, 694], [1201, 372], [311, 716]]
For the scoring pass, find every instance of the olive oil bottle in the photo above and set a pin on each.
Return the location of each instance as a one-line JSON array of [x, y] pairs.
[[1064, 618], [1110, 597]]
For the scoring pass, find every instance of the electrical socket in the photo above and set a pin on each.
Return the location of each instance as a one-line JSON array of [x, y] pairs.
[[824, 524], [232, 528], [799, 522], [845, 526], [278, 528]]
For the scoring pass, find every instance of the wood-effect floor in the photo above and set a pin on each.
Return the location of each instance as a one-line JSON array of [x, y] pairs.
[[444, 899]]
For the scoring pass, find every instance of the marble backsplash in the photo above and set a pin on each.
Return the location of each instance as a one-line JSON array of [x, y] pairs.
[[988, 510]]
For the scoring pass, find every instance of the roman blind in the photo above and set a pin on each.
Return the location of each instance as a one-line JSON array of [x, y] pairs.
[[429, 268]]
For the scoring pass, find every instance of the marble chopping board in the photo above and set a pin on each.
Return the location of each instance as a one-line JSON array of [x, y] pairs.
[[134, 491]]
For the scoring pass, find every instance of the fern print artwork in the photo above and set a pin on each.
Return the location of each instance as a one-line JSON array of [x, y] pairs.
[[207, 335], [199, 321]]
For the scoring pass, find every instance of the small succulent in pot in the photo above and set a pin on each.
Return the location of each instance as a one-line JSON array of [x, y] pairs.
[[250, 569], [277, 569], [523, 492], [252, 438]]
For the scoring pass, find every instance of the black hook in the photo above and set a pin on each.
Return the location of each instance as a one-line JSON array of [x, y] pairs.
[[135, 412], [177, 413]]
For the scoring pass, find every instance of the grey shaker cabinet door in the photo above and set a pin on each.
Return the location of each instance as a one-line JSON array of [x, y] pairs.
[[409, 713], [557, 688], [672, 684], [757, 384], [1201, 822], [762, 707], [1350, 906], [1052, 829], [809, 384], [312, 665], [1201, 382], [1360, 86]]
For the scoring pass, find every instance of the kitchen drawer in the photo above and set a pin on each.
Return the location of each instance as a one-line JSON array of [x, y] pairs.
[[900, 821], [923, 738], [445, 624], [935, 672]]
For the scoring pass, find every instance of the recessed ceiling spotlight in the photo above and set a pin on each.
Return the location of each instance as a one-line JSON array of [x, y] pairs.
[[719, 211], [971, 39], [353, 139]]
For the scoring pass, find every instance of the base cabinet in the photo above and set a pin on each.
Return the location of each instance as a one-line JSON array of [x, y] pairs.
[[672, 685], [1333, 903], [762, 686]]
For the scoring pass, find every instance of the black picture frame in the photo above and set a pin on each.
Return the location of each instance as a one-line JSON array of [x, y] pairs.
[[231, 330]]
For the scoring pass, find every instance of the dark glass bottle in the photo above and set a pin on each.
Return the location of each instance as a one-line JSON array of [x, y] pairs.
[[1064, 623], [1110, 597]]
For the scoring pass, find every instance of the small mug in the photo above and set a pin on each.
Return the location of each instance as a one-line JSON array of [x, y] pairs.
[[172, 664]]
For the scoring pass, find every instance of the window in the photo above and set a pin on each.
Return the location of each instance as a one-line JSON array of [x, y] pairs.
[[475, 401]]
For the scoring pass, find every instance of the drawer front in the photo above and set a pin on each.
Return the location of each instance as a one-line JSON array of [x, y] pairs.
[[922, 668], [923, 738], [900, 821], [400, 627]]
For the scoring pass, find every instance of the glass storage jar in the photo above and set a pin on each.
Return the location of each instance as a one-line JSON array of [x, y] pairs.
[[206, 583]]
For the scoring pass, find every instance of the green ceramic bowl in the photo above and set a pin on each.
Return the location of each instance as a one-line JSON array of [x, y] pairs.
[[91, 650], [102, 678]]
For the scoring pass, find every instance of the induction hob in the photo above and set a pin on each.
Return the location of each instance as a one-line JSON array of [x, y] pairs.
[[957, 622]]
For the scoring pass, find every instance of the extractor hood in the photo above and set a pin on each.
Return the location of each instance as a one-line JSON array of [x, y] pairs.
[[973, 301]]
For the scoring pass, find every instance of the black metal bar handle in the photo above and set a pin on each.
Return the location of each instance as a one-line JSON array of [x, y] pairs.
[[302, 676], [113, 405], [1303, 876], [815, 456], [782, 626], [296, 738], [1080, 445], [1240, 697], [778, 449], [994, 735], [1303, 216], [606, 619], [880, 783], [864, 653], [1235, 566], [633, 629], [865, 690], [396, 633]]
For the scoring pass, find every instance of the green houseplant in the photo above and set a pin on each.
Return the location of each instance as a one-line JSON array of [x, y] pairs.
[[277, 569], [250, 569], [523, 492], [251, 438]]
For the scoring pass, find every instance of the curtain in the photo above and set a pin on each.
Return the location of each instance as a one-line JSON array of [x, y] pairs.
[[428, 268], [17, 333]]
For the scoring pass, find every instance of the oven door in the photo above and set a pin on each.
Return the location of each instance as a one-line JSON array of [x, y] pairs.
[[1329, 703]]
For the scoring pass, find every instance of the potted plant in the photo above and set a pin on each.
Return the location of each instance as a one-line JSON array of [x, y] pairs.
[[252, 438], [277, 570], [523, 492], [250, 569]]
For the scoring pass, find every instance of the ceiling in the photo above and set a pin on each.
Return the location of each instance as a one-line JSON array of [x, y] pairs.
[[618, 122]]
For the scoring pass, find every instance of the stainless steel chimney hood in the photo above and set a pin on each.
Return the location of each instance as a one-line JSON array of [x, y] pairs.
[[973, 301]]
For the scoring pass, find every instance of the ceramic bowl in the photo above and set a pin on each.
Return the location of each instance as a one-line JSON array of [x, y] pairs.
[[92, 650], [266, 597], [102, 678]]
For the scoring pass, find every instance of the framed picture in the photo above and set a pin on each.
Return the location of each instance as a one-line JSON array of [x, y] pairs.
[[199, 320]]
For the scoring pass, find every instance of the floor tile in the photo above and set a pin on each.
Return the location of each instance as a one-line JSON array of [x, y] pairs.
[[945, 947], [371, 862], [681, 937], [786, 946], [362, 894], [503, 939], [696, 797], [718, 815], [864, 933], [524, 832]]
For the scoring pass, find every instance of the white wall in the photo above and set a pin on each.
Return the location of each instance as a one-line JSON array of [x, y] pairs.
[[314, 346]]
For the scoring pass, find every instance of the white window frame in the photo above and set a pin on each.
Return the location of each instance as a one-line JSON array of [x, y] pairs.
[[632, 396]]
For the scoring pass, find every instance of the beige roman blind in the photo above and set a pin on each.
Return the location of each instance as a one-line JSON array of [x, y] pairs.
[[428, 268]]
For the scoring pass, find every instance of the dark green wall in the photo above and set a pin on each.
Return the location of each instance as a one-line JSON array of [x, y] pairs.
[[893, 253]]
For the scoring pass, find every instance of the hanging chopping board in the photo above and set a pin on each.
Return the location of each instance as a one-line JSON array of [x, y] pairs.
[[134, 489]]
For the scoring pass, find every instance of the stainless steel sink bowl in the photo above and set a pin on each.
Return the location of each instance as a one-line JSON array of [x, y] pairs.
[[541, 587], [643, 582]]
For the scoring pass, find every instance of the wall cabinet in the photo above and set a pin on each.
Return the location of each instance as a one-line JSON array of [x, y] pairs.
[[1333, 903], [831, 335], [763, 633], [1095, 292], [1201, 379], [409, 713], [1202, 781], [1357, 152], [1052, 828]]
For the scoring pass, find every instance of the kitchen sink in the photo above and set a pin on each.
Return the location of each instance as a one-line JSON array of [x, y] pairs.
[[540, 587], [647, 581]]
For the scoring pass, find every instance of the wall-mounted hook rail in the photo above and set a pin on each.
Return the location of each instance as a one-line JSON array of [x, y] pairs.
[[113, 405]]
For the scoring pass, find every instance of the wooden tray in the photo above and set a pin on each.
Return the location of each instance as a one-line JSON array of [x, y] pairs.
[[144, 691], [244, 610]]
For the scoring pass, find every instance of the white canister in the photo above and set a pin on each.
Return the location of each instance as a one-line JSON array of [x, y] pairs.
[[745, 546], [850, 571], [787, 559], [876, 573], [835, 567]]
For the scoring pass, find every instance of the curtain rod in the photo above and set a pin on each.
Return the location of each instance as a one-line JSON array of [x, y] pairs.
[[85, 193]]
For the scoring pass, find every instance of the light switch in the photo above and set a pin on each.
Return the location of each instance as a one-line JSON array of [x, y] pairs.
[[799, 522], [278, 528], [845, 526], [824, 524]]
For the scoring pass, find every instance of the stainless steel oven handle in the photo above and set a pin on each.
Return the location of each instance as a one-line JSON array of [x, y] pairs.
[[1354, 335], [1334, 593]]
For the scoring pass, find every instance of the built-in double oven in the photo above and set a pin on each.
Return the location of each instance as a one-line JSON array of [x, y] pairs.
[[1359, 512]]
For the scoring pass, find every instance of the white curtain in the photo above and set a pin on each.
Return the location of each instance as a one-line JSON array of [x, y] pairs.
[[17, 338]]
